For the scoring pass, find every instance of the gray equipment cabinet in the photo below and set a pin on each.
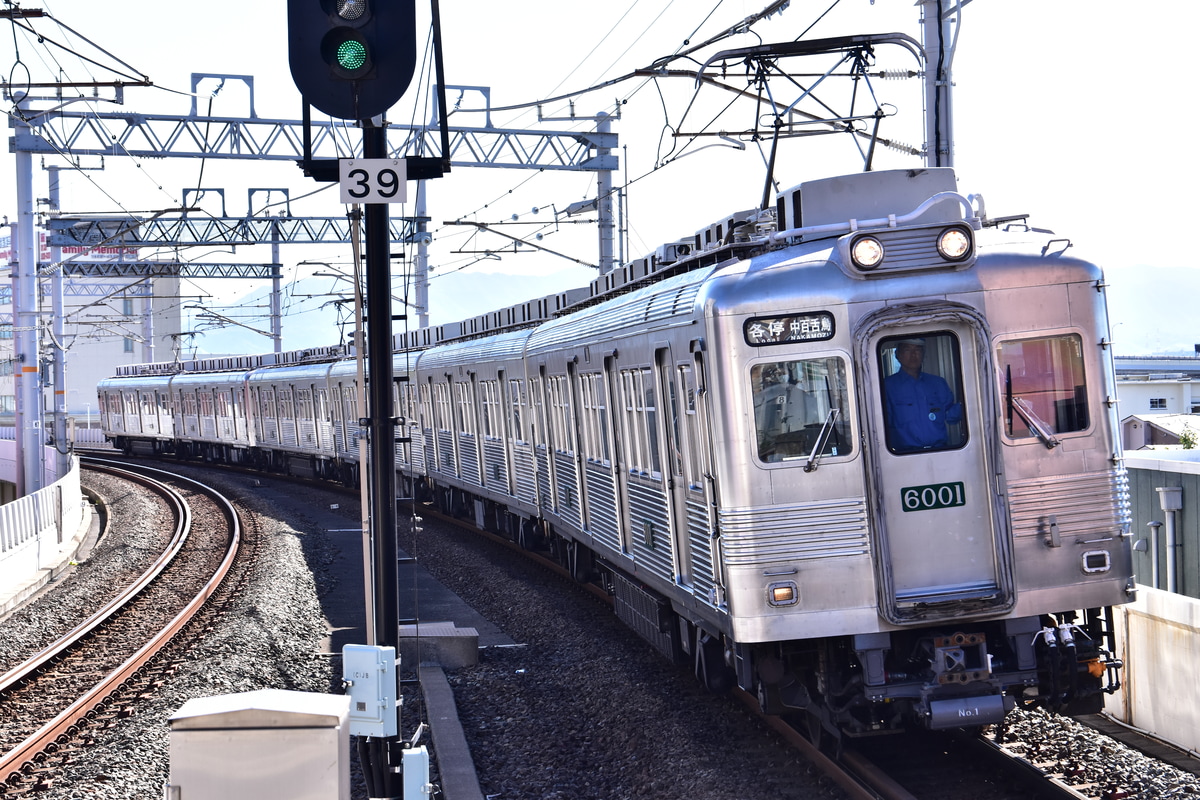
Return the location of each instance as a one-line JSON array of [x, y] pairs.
[[259, 745]]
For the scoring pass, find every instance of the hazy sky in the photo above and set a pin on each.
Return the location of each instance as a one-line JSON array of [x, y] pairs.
[[1064, 109]]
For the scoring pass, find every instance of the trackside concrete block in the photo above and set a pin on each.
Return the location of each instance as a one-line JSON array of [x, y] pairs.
[[440, 643]]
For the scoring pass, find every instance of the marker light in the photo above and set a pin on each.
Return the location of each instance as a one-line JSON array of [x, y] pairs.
[[781, 594], [954, 244], [867, 252]]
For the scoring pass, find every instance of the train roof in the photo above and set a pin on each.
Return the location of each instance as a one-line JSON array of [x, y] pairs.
[[653, 286]]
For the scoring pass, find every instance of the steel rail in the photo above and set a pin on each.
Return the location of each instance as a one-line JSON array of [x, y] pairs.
[[183, 526], [24, 757]]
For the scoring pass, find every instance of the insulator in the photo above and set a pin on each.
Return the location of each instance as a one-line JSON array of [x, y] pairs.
[[896, 74], [907, 149]]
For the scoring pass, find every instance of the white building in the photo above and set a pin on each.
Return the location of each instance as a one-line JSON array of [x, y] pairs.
[[107, 322], [1158, 384]]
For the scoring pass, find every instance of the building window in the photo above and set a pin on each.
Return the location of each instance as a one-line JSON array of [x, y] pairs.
[[127, 306], [128, 344], [1158, 404]]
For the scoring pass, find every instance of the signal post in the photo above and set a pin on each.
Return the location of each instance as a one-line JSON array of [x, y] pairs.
[[352, 60]]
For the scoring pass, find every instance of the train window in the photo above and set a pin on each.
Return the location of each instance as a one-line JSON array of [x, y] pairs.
[[693, 441], [794, 401], [442, 412], [1044, 391], [322, 405], [465, 400], [594, 418], [640, 423], [267, 400], [559, 414], [921, 381], [489, 408], [538, 419], [516, 398], [304, 401]]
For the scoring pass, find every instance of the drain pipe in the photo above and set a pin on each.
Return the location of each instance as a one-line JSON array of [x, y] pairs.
[[1171, 500], [1154, 527]]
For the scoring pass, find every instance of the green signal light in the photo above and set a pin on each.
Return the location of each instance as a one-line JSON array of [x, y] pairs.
[[351, 55]]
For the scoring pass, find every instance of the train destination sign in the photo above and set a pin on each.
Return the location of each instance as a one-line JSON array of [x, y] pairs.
[[815, 326]]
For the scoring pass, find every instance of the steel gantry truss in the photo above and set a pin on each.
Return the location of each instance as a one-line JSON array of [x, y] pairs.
[[201, 230], [115, 133], [96, 132]]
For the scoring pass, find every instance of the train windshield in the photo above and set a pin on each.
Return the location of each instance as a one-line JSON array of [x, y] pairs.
[[921, 381], [1044, 388], [794, 401]]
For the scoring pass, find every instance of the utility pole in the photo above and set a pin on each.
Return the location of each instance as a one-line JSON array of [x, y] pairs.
[[59, 327], [26, 339], [938, 44]]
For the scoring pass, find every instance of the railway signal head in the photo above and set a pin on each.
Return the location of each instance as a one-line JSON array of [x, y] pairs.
[[352, 59]]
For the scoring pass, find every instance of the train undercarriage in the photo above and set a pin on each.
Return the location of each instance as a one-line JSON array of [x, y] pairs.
[[937, 677], [949, 676]]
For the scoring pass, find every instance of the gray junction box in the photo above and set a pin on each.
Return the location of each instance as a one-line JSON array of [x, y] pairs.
[[261, 745]]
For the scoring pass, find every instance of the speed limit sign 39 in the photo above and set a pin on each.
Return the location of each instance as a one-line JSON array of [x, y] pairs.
[[372, 180]]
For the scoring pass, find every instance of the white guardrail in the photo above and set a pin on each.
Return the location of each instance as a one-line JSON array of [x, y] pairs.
[[38, 531]]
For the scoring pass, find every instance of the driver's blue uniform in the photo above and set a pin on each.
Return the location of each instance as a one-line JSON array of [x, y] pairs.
[[918, 410]]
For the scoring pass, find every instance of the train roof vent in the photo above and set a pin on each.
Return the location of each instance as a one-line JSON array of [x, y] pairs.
[[569, 298], [451, 330], [673, 251], [737, 227]]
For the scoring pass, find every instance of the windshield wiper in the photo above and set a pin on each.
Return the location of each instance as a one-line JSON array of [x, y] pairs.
[[822, 440], [1035, 423]]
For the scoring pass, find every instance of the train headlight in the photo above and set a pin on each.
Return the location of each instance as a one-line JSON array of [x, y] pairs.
[[954, 244], [867, 252], [783, 594]]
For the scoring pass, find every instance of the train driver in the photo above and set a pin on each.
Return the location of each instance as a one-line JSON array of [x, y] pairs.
[[919, 404]]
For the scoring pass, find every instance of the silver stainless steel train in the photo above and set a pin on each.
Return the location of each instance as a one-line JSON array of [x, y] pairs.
[[855, 453]]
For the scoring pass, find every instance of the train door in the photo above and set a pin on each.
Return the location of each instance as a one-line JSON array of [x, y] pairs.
[[674, 422], [166, 420], [942, 539], [614, 420], [498, 414]]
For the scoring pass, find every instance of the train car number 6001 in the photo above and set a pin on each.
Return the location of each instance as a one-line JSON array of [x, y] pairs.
[[937, 495]]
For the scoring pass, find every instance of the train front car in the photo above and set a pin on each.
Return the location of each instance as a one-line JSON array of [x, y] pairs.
[[922, 515]]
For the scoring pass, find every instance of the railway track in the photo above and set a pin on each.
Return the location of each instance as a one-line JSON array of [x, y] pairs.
[[919, 766], [951, 766], [92, 672]]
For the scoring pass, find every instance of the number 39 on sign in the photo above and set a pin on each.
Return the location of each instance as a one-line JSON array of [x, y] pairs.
[[373, 180]]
